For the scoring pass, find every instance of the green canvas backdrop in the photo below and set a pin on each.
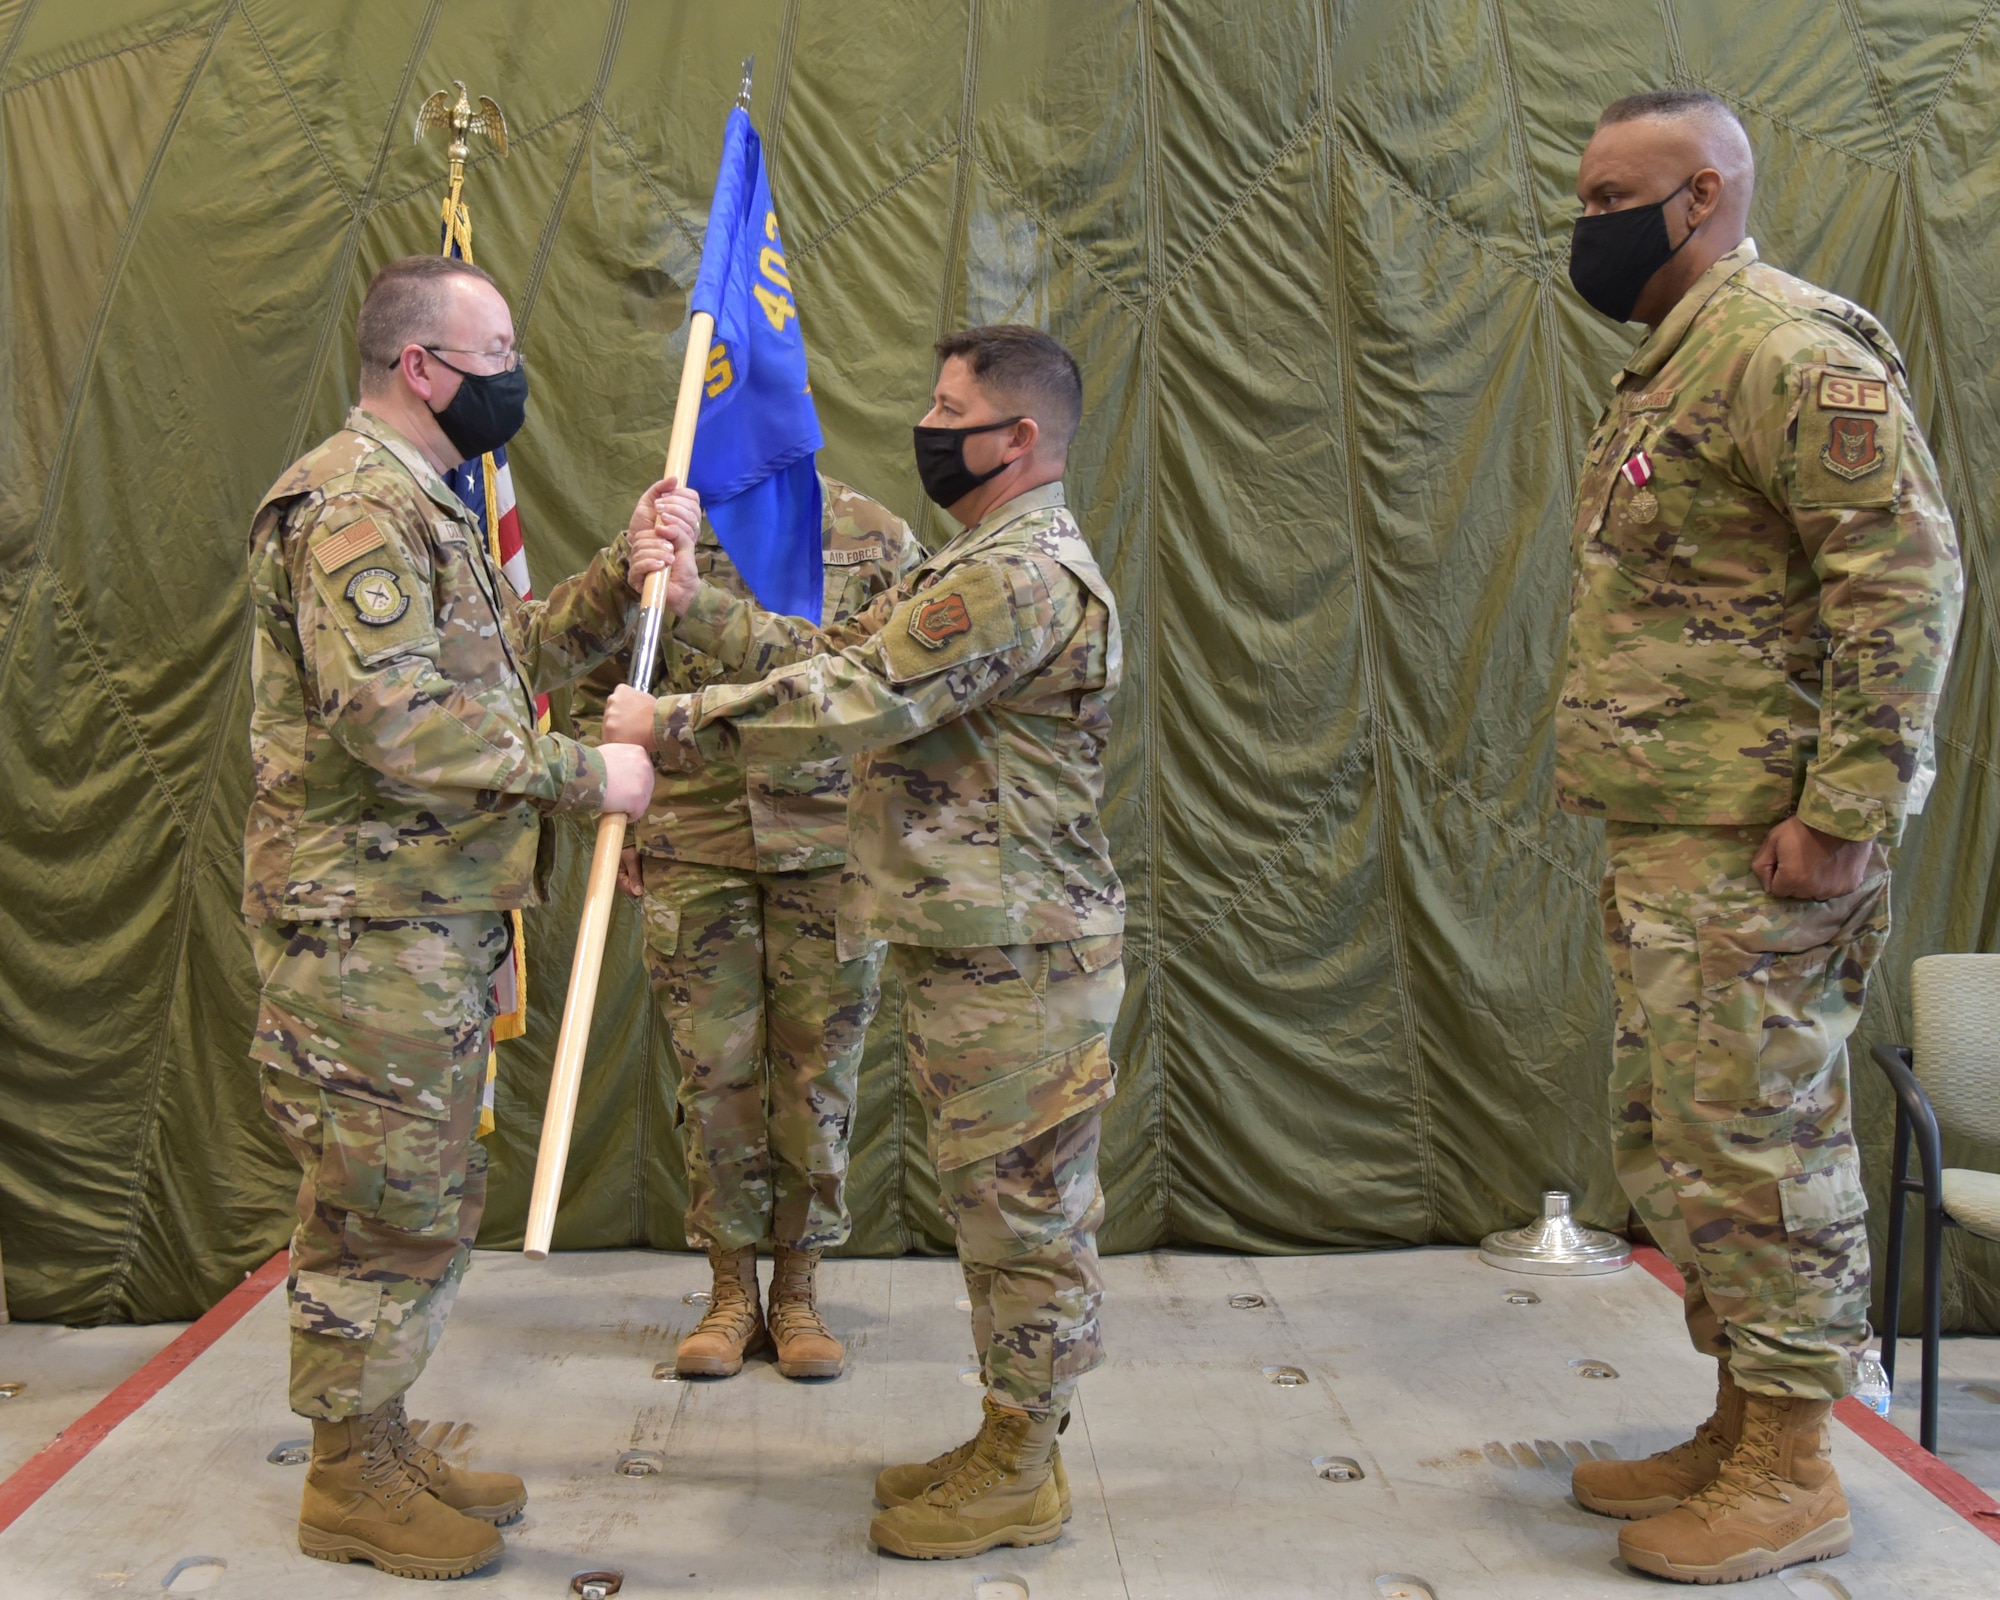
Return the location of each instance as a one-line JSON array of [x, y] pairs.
[[1312, 259]]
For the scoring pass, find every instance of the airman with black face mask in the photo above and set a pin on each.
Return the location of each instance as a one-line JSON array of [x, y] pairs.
[[1766, 589]]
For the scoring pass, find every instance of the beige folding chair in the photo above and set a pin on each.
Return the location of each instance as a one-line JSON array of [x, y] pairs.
[[1950, 1083]]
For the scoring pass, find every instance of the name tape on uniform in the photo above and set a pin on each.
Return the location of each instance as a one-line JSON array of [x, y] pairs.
[[853, 558], [1840, 391]]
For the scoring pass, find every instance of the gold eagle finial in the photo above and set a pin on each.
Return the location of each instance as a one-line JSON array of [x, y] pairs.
[[462, 122]]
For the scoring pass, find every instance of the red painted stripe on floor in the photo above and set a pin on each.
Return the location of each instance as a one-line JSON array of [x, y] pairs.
[[1951, 1486], [44, 1470]]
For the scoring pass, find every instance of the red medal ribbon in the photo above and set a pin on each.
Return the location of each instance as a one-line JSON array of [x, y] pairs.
[[1639, 470]]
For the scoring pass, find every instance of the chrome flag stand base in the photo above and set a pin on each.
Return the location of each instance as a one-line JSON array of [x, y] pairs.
[[1557, 1246]]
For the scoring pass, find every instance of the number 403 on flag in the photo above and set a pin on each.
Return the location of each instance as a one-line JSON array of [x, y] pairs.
[[772, 290]]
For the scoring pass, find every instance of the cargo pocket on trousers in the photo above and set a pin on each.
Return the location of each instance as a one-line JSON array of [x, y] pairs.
[[335, 1308], [1006, 1111], [382, 1164], [1824, 1193], [1759, 1033]]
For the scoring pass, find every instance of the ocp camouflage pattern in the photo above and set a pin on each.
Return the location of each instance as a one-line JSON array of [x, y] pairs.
[[768, 1026], [1010, 1053], [773, 815], [394, 1010], [372, 1039], [1731, 1121], [397, 767], [1001, 653], [1774, 635]]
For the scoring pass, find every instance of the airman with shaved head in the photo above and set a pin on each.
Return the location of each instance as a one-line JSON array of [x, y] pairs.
[[1766, 590]]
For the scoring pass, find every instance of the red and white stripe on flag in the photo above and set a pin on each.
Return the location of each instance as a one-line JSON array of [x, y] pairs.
[[507, 524], [503, 529]]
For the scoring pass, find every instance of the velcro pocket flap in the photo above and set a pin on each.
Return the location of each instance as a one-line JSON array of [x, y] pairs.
[[997, 1115], [335, 1308]]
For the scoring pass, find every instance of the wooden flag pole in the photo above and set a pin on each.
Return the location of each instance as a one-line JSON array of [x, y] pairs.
[[583, 971]]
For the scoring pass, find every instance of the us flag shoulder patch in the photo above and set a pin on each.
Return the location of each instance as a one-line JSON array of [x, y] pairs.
[[336, 550]]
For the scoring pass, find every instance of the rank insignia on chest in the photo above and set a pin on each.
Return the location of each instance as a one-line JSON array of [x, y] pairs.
[[1851, 449], [1644, 504], [376, 596], [936, 623]]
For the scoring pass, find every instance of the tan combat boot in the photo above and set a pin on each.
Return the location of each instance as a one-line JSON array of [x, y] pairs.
[[1003, 1492], [806, 1345], [734, 1325], [363, 1502], [1775, 1503], [899, 1485], [1634, 1489], [494, 1497]]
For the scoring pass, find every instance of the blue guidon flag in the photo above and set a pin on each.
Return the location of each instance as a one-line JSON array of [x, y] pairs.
[[753, 447]]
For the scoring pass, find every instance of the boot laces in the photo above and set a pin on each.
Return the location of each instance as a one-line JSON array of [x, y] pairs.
[[732, 1311], [992, 1457], [425, 1462], [383, 1467], [1749, 1473], [971, 1478], [794, 1299]]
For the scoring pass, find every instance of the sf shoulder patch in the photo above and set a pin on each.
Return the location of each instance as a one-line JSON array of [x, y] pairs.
[[1849, 441], [966, 614]]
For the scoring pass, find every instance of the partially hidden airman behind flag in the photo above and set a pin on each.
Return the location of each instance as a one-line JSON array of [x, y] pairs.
[[753, 453]]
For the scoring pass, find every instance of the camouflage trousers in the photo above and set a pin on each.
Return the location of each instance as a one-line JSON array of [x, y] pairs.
[[372, 1040], [1731, 1126], [768, 1026], [1009, 1049]]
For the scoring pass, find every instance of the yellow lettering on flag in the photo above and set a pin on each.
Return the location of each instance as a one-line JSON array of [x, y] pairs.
[[720, 374]]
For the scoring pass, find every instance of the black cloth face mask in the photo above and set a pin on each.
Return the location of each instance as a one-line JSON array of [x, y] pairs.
[[941, 461], [487, 411], [1613, 256]]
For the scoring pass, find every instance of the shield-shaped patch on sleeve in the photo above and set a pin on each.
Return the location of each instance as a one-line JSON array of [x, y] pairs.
[[1851, 450]]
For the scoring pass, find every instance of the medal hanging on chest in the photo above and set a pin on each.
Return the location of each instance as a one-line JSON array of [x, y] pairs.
[[1644, 505]]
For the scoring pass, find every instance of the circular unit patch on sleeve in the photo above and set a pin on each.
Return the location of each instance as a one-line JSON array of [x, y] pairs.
[[376, 596]]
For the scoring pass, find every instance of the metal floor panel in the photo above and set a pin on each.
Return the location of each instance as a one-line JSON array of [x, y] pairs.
[[1192, 1472], [63, 1372]]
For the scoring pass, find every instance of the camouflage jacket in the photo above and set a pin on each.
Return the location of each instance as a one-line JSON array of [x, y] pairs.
[[767, 816], [1764, 626], [975, 697], [393, 746]]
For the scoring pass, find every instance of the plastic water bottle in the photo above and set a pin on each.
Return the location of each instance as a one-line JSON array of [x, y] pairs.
[[1871, 1383]]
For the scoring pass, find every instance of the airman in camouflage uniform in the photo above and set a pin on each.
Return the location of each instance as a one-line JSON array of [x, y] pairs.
[[1766, 590], [975, 699], [401, 806], [740, 865]]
